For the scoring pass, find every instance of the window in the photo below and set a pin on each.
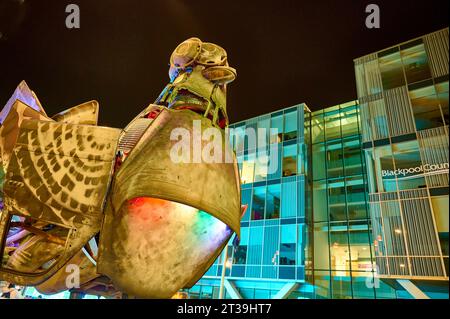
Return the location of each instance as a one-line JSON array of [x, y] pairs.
[[274, 166], [271, 245], [318, 151], [290, 125], [349, 121], [276, 129], [248, 168], [240, 255], [273, 201], [287, 254], [259, 196], [415, 61], [289, 199], [301, 235], [334, 160], [341, 286], [239, 134], [251, 137], [287, 244], [246, 199], [356, 201], [425, 104], [264, 126], [352, 156], [302, 159], [322, 284], [380, 165], [360, 249], [261, 166], [254, 254], [340, 251], [391, 69], [333, 124], [361, 290], [206, 292], [407, 160], [317, 128], [320, 201], [290, 160], [321, 246], [442, 93], [336, 200]]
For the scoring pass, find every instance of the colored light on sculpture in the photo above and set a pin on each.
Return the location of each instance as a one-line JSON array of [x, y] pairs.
[[112, 201], [154, 217], [174, 240]]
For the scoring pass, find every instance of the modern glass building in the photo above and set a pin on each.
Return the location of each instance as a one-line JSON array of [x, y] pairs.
[[270, 260], [403, 94], [343, 257], [350, 201], [306, 232], [358, 205]]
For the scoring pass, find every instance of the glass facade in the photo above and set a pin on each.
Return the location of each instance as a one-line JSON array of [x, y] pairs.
[[343, 264], [358, 197], [271, 154], [403, 93]]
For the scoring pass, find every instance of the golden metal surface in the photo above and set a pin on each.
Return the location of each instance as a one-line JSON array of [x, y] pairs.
[[162, 223], [86, 113]]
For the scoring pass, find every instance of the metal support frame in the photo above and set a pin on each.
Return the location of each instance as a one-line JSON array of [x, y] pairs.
[[232, 290], [412, 289], [286, 290]]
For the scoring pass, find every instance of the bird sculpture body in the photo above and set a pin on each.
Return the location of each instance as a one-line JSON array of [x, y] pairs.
[[117, 207]]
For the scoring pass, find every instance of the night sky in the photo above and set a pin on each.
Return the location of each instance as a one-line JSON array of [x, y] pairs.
[[285, 52]]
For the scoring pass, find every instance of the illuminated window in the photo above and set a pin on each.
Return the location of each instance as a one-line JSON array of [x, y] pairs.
[[276, 129], [246, 199], [352, 156], [415, 61], [340, 251], [240, 255], [349, 121], [261, 166], [442, 93], [318, 151], [335, 163], [360, 249], [356, 200], [425, 104], [287, 245], [251, 137], [332, 124], [290, 125], [381, 169], [274, 167], [391, 68], [273, 201], [258, 204], [264, 126], [320, 201], [409, 165], [317, 128], [239, 134], [321, 246], [248, 168], [290, 160], [336, 200]]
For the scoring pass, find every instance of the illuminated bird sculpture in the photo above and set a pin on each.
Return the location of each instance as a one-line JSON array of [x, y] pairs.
[[113, 203]]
